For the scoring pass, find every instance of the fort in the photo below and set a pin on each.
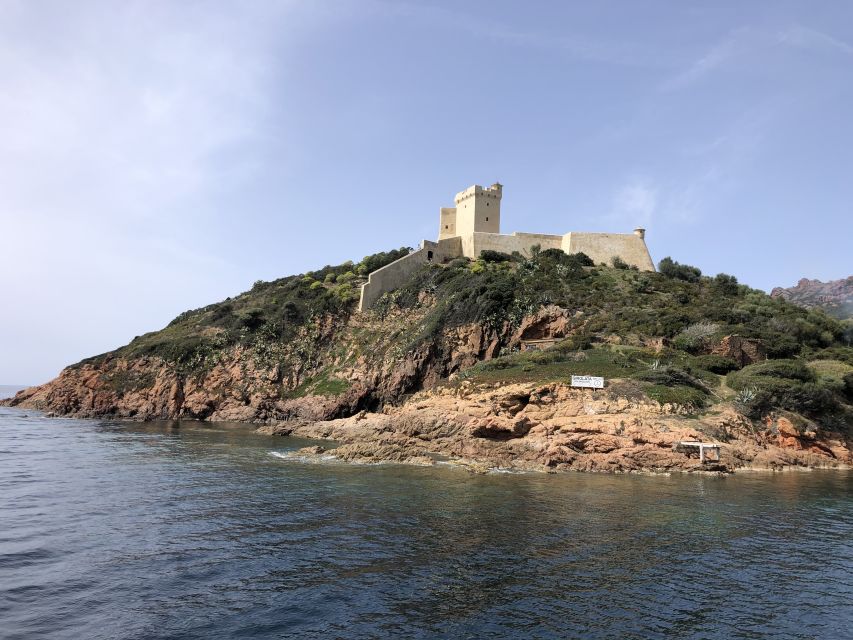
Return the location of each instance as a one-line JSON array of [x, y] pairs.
[[474, 225]]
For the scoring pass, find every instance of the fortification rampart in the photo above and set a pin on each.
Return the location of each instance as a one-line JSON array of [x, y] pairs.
[[393, 276], [603, 247]]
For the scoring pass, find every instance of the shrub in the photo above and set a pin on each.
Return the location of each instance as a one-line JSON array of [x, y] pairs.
[[619, 263], [582, 259], [848, 386], [345, 292], [316, 285], [330, 278], [376, 261], [671, 376], [696, 336], [681, 395], [724, 284], [715, 364], [671, 269], [777, 369], [487, 255], [782, 384], [344, 278], [252, 319]]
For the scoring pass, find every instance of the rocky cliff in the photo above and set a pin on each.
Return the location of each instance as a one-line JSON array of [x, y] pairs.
[[835, 297]]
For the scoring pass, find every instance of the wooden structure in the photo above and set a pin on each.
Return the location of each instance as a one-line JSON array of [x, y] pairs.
[[685, 446], [538, 345]]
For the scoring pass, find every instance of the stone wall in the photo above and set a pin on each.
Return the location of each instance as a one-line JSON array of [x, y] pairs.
[[474, 244], [396, 274], [602, 247]]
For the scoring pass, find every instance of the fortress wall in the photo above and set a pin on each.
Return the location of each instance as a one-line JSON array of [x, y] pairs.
[[601, 247], [544, 240], [393, 276], [478, 242]]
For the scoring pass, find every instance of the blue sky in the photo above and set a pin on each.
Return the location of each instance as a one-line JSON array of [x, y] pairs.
[[159, 156]]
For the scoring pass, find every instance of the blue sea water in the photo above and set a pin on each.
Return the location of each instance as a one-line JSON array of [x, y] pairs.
[[166, 530]]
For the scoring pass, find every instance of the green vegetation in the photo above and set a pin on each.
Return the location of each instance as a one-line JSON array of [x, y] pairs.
[[612, 313], [787, 384], [321, 385]]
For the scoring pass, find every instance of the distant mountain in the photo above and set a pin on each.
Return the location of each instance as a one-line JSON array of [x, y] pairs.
[[835, 297]]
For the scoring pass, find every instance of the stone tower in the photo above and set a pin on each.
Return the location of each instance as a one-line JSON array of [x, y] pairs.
[[477, 209]]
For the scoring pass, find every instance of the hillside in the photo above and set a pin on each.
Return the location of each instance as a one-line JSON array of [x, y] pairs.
[[680, 351], [835, 297]]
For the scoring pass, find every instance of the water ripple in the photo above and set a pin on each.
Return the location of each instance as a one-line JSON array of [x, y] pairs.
[[188, 531]]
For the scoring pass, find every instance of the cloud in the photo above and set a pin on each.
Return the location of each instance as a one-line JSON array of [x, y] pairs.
[[734, 45], [635, 203], [808, 38], [121, 123], [121, 107], [576, 45], [747, 41]]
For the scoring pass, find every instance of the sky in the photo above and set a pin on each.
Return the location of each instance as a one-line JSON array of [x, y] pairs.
[[160, 156]]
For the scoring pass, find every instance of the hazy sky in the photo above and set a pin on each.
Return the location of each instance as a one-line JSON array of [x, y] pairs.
[[160, 156]]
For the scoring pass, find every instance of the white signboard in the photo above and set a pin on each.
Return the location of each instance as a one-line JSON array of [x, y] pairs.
[[592, 382]]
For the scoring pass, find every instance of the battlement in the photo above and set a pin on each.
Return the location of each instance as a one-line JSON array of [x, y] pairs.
[[495, 191]]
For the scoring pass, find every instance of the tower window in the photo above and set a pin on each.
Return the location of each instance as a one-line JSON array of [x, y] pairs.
[[487, 218]]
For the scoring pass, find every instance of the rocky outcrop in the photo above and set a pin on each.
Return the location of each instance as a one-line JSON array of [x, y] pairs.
[[835, 296], [744, 351], [557, 428]]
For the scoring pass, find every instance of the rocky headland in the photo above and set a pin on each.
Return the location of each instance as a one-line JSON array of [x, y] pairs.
[[440, 370]]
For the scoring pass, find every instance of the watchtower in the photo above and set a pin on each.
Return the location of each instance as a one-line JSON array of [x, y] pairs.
[[478, 209]]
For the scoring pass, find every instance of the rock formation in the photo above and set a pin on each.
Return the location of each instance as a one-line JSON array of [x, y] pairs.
[[835, 296]]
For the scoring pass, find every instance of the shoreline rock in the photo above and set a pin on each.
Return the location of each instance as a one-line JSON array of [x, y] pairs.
[[555, 428]]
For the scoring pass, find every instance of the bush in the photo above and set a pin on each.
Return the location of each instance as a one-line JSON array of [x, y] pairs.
[[777, 369], [487, 255], [681, 395], [715, 364], [619, 263], [725, 285], [695, 336], [671, 269], [782, 384], [670, 376], [376, 261]]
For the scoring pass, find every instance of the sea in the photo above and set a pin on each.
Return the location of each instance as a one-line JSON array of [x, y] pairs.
[[154, 530]]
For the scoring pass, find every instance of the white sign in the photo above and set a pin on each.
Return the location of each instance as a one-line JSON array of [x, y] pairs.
[[592, 382]]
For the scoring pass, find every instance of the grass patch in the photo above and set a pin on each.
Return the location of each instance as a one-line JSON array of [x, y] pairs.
[[320, 385], [555, 365], [679, 394]]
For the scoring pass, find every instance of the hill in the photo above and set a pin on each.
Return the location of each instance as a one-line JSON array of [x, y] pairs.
[[835, 297], [681, 351]]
